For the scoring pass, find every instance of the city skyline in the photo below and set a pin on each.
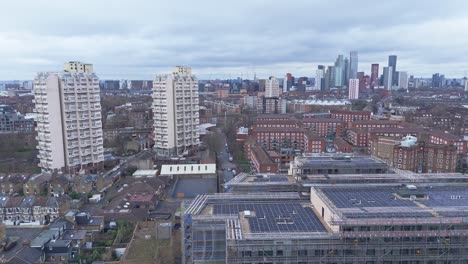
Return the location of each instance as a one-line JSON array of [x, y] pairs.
[[124, 46]]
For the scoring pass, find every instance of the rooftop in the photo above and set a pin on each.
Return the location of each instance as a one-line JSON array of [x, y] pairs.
[[145, 173], [278, 129], [397, 201], [311, 159], [74, 234], [255, 215], [262, 155], [188, 169], [322, 120]]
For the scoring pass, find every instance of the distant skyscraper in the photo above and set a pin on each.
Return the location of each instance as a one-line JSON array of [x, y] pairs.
[[69, 128], [175, 108], [272, 87], [319, 75], [392, 62], [403, 80], [287, 82], [340, 71], [362, 80], [329, 80], [353, 64], [346, 72], [374, 76], [387, 78], [435, 80], [466, 85], [353, 89]]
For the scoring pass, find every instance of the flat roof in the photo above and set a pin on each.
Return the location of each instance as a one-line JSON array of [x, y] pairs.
[[278, 217], [337, 160], [397, 201], [145, 173], [256, 215], [188, 169]]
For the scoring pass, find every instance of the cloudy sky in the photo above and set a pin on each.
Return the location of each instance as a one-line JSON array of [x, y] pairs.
[[221, 38]]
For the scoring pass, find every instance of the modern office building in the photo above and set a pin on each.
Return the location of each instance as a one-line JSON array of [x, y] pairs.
[[397, 222], [392, 62], [353, 64], [323, 163], [339, 72], [69, 128], [319, 78], [272, 87], [175, 110], [288, 82], [466, 85], [353, 89], [387, 78], [403, 80]]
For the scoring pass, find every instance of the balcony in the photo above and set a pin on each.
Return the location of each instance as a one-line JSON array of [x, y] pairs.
[[81, 90], [72, 136]]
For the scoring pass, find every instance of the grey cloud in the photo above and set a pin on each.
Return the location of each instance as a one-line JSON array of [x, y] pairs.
[[137, 39]]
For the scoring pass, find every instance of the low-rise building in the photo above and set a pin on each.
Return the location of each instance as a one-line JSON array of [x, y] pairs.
[[325, 127], [350, 116], [417, 156], [189, 171], [31, 210], [261, 161], [373, 124], [12, 121], [359, 223], [335, 164]]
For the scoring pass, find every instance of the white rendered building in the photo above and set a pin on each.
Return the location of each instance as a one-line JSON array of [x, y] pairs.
[[403, 80], [272, 87], [175, 108], [353, 89], [69, 127]]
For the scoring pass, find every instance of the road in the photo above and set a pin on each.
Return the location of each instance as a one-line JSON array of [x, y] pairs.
[[223, 157]]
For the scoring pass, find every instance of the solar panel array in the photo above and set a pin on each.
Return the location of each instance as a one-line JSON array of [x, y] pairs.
[[362, 197], [387, 215], [271, 179], [446, 197], [273, 218]]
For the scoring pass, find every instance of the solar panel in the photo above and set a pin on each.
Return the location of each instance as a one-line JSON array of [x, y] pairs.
[[271, 179], [362, 197], [446, 197], [283, 217]]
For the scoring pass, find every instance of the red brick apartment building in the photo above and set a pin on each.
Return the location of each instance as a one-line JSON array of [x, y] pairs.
[[261, 161], [350, 116], [275, 138], [445, 138], [360, 137], [374, 124], [415, 156], [325, 127], [342, 146], [273, 117]]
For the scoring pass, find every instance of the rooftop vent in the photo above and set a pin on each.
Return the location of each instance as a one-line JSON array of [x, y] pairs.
[[247, 213]]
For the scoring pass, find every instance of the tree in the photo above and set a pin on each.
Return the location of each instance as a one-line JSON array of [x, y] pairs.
[[2, 231], [359, 105], [213, 141]]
